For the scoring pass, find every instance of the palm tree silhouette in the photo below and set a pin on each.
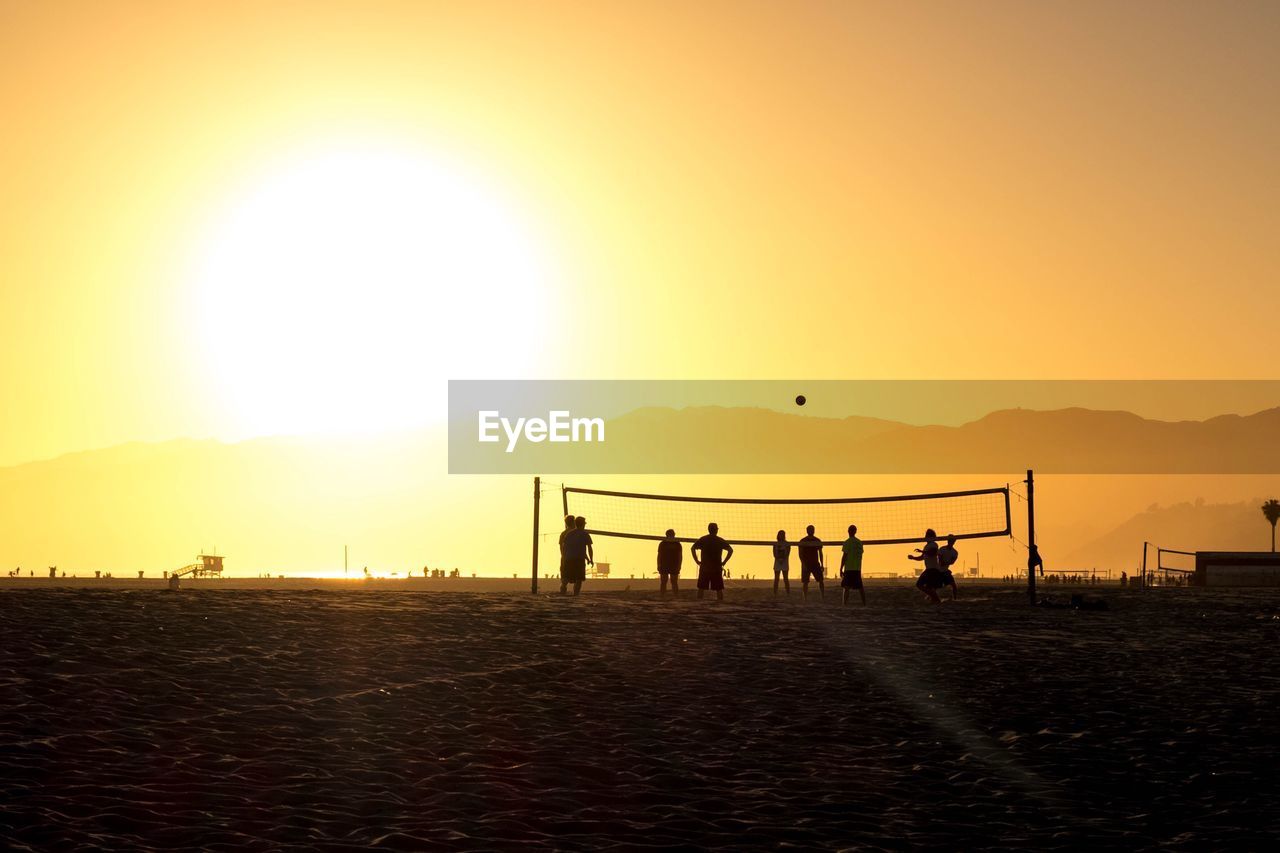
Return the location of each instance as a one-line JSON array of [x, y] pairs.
[[1271, 509]]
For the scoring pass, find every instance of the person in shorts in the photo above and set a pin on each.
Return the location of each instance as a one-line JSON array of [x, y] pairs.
[[568, 527], [782, 562], [947, 556], [712, 554], [930, 580], [851, 567], [811, 563], [670, 557], [578, 554]]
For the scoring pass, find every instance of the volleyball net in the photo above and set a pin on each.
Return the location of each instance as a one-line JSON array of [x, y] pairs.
[[883, 520], [1172, 567]]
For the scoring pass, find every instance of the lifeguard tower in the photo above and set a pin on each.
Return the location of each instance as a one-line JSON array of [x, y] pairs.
[[599, 570], [210, 566]]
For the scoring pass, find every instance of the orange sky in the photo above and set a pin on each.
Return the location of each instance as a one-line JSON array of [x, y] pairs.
[[718, 190]]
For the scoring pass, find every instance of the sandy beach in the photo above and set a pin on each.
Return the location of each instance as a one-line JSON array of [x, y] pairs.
[[313, 718]]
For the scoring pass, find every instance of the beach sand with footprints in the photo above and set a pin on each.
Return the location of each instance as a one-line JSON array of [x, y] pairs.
[[255, 718]]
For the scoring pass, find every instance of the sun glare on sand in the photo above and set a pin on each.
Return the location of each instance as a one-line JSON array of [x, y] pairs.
[[340, 290]]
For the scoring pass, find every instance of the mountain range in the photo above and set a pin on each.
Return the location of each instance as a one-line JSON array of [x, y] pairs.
[[290, 504], [749, 440]]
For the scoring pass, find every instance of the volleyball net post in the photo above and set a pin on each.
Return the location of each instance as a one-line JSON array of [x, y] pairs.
[[1032, 553], [537, 514]]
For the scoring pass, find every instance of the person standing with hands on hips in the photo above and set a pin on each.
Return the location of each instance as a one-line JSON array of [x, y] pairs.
[[712, 554]]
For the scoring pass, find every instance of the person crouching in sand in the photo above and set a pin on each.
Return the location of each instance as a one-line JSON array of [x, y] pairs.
[[712, 554], [930, 580], [947, 556], [851, 567], [578, 554], [782, 562], [670, 557]]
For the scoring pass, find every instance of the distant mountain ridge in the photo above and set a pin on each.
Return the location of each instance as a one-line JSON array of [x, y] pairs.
[[290, 504], [1185, 526], [1068, 441]]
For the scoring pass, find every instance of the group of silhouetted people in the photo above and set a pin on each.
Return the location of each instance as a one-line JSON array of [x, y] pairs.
[[438, 573], [576, 553], [711, 554], [937, 574], [1092, 580], [813, 564]]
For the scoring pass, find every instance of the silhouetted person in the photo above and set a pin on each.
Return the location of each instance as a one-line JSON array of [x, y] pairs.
[[930, 580], [811, 563], [568, 526], [851, 567], [947, 556], [670, 558], [712, 554], [53, 571], [1034, 560], [782, 562], [1124, 579], [578, 554]]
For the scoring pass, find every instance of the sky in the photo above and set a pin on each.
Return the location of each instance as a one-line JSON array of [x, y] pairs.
[[712, 190], [232, 220]]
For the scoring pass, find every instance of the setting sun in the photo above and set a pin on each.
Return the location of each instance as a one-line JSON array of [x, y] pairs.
[[341, 288]]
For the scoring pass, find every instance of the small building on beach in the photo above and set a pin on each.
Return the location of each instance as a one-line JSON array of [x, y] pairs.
[[1237, 568]]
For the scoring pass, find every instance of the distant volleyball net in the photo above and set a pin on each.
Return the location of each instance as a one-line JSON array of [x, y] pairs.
[[886, 520], [1172, 567]]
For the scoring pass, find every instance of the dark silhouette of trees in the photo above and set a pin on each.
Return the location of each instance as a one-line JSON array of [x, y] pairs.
[[1271, 509]]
